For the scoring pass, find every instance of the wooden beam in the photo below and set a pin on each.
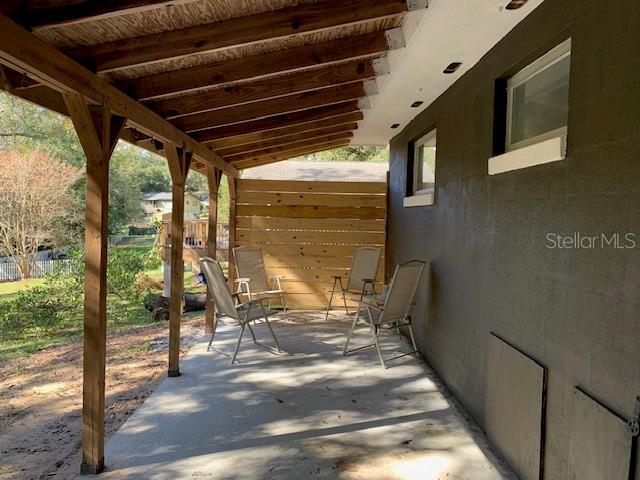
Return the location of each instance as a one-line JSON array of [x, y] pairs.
[[269, 88], [277, 24], [213, 180], [286, 140], [27, 53], [98, 131], [257, 67], [291, 154], [259, 136], [233, 198], [271, 107], [37, 14], [270, 123], [254, 155], [179, 161]]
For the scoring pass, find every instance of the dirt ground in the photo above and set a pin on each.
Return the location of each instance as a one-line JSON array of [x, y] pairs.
[[41, 398]]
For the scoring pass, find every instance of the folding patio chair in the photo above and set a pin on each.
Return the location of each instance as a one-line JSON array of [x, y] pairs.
[[394, 311], [362, 276], [225, 306], [252, 278]]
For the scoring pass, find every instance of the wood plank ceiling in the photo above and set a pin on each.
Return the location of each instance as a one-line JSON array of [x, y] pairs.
[[255, 81]]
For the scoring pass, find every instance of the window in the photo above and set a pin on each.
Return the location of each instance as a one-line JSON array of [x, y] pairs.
[[423, 171], [538, 99]]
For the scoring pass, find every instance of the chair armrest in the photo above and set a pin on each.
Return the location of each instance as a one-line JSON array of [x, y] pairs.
[[278, 277], [242, 280]]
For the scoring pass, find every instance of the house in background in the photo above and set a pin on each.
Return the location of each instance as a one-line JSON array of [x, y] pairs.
[[156, 204]]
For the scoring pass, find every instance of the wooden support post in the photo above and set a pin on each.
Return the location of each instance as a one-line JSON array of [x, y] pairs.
[[179, 162], [233, 196], [213, 179], [98, 132]]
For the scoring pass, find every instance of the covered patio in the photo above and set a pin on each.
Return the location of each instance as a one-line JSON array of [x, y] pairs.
[[308, 412]]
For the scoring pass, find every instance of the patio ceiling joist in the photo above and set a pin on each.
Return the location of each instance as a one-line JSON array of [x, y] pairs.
[[287, 140], [271, 107], [290, 154], [277, 24], [273, 87], [256, 67], [259, 136], [26, 53], [40, 14], [278, 121], [307, 142]]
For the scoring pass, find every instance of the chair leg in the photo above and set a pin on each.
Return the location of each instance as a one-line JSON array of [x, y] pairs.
[[284, 306], [235, 353], [413, 341], [275, 339], [344, 300], [253, 335], [354, 324], [377, 343], [326, 317], [213, 331]]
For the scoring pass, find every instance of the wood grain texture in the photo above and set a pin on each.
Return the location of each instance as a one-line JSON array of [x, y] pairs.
[[273, 87], [311, 211], [98, 132], [515, 395], [213, 182], [258, 67], [308, 143], [277, 157], [284, 132], [600, 445], [310, 199], [270, 107], [289, 141], [327, 112], [258, 28], [309, 224], [369, 188]]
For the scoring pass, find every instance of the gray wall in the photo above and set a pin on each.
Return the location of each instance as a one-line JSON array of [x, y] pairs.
[[575, 311]]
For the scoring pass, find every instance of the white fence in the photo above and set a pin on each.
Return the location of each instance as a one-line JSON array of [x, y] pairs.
[[9, 270]]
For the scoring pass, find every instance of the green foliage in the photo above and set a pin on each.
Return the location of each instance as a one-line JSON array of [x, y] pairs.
[[56, 305], [352, 153]]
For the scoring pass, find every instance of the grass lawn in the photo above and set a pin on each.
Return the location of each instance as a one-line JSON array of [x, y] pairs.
[[122, 314]]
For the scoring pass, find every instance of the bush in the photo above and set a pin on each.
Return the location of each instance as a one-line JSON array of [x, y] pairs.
[[57, 304]]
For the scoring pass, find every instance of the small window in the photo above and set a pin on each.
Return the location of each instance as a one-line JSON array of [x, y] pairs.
[[423, 172], [538, 99]]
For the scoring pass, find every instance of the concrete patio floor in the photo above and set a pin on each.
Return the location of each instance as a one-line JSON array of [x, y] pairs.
[[307, 413]]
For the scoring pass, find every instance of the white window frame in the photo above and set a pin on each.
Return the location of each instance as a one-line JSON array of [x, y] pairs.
[[547, 60], [425, 196]]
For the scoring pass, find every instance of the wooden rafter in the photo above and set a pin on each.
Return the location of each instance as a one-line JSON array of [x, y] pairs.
[[278, 86], [258, 66], [238, 159], [39, 14], [278, 121], [287, 140], [291, 154], [260, 136], [271, 107], [283, 23], [27, 53]]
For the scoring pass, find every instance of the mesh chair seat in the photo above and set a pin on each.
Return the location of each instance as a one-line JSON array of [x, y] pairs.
[[225, 307], [391, 310]]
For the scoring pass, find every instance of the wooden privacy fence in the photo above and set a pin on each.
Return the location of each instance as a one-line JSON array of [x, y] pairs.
[[308, 231]]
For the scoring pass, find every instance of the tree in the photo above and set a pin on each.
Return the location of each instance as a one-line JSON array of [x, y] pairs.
[[35, 204]]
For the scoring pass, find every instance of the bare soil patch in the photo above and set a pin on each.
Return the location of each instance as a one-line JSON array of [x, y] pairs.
[[41, 398]]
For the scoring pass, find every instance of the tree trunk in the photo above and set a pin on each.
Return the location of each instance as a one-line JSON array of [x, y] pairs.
[[24, 267]]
